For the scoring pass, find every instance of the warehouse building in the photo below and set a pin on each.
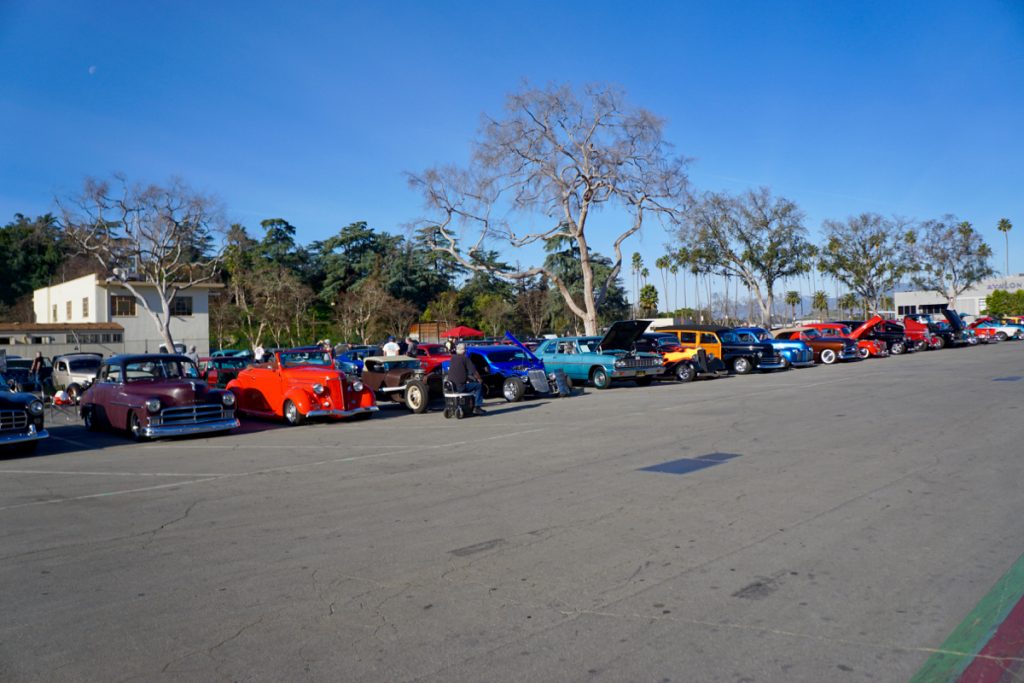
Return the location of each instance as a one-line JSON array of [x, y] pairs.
[[971, 302]]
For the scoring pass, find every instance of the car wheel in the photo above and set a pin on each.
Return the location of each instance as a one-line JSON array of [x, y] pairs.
[[742, 366], [292, 415], [599, 378], [1002, 336], [863, 352], [75, 392], [897, 348], [828, 356], [416, 396], [684, 373], [644, 381], [89, 420], [135, 427], [513, 389]]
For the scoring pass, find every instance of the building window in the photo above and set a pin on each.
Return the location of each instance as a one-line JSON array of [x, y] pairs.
[[122, 306], [54, 314], [117, 338], [68, 306], [934, 308], [106, 338], [181, 305], [85, 308], [907, 310]]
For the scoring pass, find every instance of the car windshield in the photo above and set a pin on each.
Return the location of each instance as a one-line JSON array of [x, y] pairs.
[[152, 369], [589, 345], [291, 359], [730, 338], [747, 337], [400, 364], [507, 356], [231, 363], [84, 364]]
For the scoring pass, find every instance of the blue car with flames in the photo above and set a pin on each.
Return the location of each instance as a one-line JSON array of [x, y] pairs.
[[510, 370], [794, 352]]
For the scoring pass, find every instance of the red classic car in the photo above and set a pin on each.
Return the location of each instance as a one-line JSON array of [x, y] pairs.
[[298, 384], [919, 335], [865, 347], [155, 395], [431, 356]]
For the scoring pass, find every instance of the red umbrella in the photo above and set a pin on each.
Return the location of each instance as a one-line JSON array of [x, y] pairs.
[[462, 331]]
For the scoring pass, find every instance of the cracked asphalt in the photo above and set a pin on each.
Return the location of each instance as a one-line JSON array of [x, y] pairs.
[[869, 508]]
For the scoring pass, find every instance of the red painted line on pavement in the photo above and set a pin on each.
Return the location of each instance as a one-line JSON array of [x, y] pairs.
[[1001, 654]]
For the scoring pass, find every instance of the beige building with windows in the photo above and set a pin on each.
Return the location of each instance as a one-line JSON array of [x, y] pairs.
[[971, 302], [91, 299]]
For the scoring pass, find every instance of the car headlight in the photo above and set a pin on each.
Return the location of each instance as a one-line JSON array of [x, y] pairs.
[[153, 405], [228, 399], [357, 386], [318, 389], [35, 407]]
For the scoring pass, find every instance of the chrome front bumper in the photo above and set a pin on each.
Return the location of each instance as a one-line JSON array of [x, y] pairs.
[[31, 435], [802, 363], [158, 432], [771, 365], [849, 355], [334, 412]]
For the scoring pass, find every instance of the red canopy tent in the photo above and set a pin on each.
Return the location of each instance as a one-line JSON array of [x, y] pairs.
[[462, 331]]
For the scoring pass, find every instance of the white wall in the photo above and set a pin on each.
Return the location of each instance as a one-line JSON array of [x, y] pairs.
[[43, 301]]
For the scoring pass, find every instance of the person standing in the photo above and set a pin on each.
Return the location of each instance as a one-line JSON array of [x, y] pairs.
[[411, 346], [257, 353], [449, 346], [463, 374], [193, 354], [391, 348], [37, 367]]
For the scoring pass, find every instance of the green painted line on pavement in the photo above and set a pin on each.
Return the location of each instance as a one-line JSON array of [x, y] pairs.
[[975, 630]]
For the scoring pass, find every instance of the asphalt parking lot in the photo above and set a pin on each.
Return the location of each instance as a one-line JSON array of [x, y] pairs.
[[826, 524]]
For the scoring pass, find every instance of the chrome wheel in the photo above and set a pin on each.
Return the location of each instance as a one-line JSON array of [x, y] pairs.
[[828, 356], [513, 389], [599, 378], [863, 352], [416, 396], [742, 366], [135, 427], [292, 414]]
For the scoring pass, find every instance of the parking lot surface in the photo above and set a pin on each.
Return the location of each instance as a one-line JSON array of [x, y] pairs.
[[826, 524]]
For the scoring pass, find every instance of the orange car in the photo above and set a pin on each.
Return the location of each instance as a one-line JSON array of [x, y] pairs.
[[299, 384]]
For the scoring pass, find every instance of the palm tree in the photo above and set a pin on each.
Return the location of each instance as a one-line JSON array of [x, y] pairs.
[[819, 302], [649, 299], [848, 303], [1004, 227], [674, 269], [792, 299], [662, 264], [638, 264]]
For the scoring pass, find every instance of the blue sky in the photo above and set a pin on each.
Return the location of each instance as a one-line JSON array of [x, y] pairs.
[[314, 111]]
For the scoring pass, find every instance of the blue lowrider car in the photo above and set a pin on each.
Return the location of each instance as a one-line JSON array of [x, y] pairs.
[[794, 352], [602, 360]]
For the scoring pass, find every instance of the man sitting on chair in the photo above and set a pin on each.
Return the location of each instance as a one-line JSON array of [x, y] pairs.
[[463, 374]]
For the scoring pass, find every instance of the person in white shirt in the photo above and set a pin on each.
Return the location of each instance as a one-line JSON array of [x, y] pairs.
[[391, 348]]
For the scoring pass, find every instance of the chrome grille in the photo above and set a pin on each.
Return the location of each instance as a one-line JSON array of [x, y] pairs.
[[538, 380], [640, 362], [13, 420], [178, 415]]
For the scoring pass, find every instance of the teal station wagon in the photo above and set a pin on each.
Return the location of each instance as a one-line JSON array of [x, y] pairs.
[[602, 360]]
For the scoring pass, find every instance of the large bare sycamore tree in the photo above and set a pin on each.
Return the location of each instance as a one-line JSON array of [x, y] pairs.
[[541, 172], [163, 236]]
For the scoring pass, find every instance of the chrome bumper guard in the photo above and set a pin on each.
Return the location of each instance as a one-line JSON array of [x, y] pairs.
[[160, 431], [334, 412], [31, 435], [771, 364]]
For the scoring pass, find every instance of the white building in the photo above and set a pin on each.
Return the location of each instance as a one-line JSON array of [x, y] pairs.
[[91, 299], [971, 302]]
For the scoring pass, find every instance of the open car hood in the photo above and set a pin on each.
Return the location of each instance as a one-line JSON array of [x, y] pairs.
[[954, 319], [868, 324], [621, 335], [528, 352]]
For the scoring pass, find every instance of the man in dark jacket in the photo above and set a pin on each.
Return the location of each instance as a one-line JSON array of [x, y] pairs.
[[463, 374]]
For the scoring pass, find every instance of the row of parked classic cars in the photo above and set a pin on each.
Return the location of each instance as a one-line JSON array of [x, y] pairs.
[[151, 396]]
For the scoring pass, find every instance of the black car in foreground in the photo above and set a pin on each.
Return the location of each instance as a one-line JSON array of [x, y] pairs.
[[21, 420]]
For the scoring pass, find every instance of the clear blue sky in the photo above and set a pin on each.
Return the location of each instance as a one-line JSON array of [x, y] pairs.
[[313, 111]]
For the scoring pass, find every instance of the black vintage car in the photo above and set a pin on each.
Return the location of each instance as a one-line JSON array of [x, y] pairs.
[[21, 420], [722, 342], [952, 331]]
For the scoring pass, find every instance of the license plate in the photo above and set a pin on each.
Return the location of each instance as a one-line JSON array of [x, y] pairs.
[[641, 373]]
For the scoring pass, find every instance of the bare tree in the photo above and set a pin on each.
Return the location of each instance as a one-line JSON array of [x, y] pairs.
[[360, 309], [950, 256], [755, 237], [147, 235], [552, 161], [532, 303]]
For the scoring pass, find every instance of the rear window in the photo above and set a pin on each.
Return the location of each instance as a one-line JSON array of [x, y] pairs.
[[84, 364]]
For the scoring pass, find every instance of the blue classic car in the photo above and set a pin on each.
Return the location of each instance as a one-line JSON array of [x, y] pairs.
[[510, 370], [794, 352], [602, 360]]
